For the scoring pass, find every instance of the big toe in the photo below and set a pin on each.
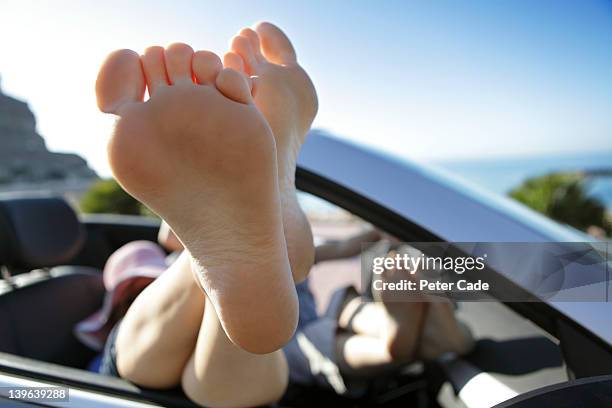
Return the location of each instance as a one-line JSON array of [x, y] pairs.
[[234, 85], [120, 81], [275, 45]]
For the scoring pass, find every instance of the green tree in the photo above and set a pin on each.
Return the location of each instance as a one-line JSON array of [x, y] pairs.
[[107, 197], [564, 198]]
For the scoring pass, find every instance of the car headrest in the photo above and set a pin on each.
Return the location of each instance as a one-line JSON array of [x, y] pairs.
[[37, 232]]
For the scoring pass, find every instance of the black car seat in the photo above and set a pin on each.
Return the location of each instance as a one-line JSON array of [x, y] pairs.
[[41, 301]]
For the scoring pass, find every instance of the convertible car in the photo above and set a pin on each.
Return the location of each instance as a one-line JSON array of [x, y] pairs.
[[527, 354]]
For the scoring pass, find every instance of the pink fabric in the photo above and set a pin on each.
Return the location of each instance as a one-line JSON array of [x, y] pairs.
[[138, 258], [126, 273]]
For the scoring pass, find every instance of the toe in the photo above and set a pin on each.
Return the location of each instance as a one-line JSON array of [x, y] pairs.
[[154, 68], [253, 38], [178, 62], [206, 66], [120, 81], [242, 46], [275, 45], [233, 61], [234, 85]]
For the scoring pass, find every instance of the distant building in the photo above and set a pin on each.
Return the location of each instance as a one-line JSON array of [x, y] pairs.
[[25, 162]]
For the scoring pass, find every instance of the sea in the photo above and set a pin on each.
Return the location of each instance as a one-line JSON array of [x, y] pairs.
[[502, 175]]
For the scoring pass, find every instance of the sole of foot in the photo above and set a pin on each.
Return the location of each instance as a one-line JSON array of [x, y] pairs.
[[286, 96], [200, 154]]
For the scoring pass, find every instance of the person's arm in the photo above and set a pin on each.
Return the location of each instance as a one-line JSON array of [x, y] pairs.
[[338, 249]]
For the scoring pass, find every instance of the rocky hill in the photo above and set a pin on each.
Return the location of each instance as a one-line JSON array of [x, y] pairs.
[[24, 158]]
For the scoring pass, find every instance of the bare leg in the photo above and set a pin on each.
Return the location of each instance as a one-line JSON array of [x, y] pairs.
[[378, 340], [376, 336], [220, 374], [361, 317], [394, 330], [363, 355], [169, 337], [159, 331]]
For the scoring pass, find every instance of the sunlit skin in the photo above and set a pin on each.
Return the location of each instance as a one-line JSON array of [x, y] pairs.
[[203, 157], [394, 330], [379, 335], [201, 154], [285, 95]]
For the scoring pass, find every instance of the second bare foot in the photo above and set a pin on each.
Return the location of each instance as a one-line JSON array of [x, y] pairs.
[[284, 93]]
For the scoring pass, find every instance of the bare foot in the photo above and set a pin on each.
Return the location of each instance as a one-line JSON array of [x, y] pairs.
[[284, 93], [203, 157]]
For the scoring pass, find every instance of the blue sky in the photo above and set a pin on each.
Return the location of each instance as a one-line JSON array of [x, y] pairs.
[[426, 80]]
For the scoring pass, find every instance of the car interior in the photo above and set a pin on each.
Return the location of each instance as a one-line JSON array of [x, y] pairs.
[[52, 260]]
